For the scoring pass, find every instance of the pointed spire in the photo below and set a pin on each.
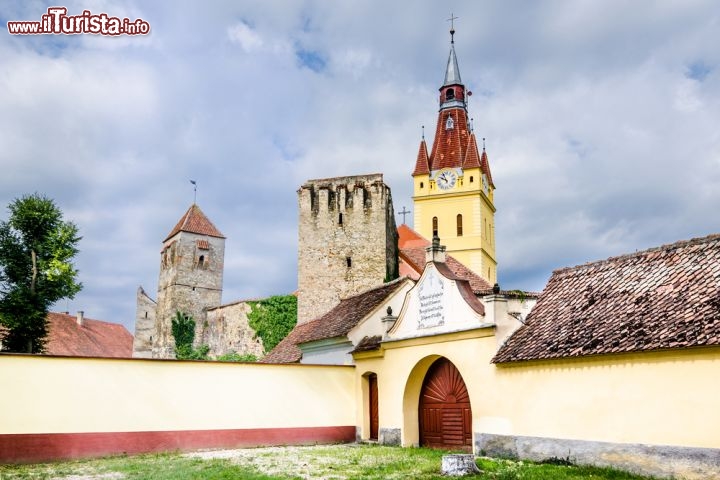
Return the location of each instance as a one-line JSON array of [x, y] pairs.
[[485, 166], [472, 157], [422, 164], [452, 72]]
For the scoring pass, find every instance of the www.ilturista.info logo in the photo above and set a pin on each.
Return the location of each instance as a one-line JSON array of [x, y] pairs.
[[57, 21]]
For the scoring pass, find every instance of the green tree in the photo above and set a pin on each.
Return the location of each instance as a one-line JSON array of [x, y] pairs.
[[37, 248], [183, 330], [273, 319]]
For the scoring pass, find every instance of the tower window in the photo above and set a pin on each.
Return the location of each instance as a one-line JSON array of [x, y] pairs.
[[471, 179], [348, 261], [459, 225], [449, 123], [450, 94], [422, 185], [201, 261], [340, 219], [435, 226]]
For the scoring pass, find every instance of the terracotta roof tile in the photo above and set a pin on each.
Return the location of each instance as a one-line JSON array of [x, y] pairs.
[[93, 339], [665, 297], [422, 164], [336, 323], [450, 145], [485, 167], [472, 157], [412, 253], [195, 221], [368, 343], [409, 238]]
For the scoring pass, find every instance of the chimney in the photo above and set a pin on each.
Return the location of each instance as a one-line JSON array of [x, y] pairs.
[[80, 318], [435, 252]]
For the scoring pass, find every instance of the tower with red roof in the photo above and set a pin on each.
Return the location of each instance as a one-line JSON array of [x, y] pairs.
[[453, 188], [191, 278]]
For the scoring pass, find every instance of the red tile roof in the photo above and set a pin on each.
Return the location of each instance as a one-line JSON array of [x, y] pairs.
[[409, 238], [662, 298], [422, 163], [195, 221], [412, 254], [485, 167], [338, 322], [472, 158], [450, 145], [93, 339]]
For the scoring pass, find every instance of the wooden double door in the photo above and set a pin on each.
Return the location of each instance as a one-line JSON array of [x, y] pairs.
[[445, 416]]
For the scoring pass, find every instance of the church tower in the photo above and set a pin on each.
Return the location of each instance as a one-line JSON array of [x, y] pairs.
[[453, 188], [191, 277]]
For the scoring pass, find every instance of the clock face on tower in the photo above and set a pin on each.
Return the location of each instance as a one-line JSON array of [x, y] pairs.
[[446, 179]]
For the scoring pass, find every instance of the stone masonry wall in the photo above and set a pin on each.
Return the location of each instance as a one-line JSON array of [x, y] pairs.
[[188, 283], [347, 240], [227, 330], [144, 325]]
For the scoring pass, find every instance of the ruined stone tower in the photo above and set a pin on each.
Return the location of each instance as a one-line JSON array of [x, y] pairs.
[[191, 277], [347, 240]]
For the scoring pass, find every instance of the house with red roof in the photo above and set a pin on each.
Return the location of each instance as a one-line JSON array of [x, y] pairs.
[[79, 336]]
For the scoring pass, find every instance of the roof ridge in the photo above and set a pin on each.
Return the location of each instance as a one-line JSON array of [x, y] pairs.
[[371, 289], [640, 253]]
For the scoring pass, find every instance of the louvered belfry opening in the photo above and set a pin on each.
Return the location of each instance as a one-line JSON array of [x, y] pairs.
[[445, 416]]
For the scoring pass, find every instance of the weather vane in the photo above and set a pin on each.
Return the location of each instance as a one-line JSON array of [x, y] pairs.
[[194, 191]]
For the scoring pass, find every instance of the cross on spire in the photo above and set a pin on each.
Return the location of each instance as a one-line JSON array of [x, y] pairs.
[[452, 27], [403, 213]]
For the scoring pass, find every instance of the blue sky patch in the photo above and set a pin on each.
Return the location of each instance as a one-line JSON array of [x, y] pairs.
[[311, 59]]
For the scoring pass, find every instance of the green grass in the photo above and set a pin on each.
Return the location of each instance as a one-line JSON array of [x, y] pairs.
[[339, 462]]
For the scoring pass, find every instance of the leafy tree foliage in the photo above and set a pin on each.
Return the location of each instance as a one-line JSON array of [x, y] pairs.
[[37, 248], [183, 330], [273, 318], [233, 356]]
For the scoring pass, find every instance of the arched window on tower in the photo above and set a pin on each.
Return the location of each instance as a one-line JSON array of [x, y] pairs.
[[435, 226], [201, 261], [449, 94], [459, 225], [449, 123]]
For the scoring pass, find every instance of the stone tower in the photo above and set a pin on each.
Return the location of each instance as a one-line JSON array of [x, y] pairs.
[[347, 240], [191, 277], [453, 189]]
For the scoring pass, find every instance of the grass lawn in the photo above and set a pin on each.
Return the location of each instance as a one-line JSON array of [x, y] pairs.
[[337, 462]]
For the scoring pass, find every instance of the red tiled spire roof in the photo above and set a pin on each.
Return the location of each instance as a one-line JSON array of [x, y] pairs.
[[450, 144], [472, 158], [195, 221], [485, 167], [422, 164]]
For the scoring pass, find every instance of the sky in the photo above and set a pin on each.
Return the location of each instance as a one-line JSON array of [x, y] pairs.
[[602, 121]]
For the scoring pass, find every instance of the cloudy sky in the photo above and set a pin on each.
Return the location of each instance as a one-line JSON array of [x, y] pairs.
[[602, 121]]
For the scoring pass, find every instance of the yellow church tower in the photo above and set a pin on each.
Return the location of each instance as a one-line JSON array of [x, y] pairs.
[[453, 188]]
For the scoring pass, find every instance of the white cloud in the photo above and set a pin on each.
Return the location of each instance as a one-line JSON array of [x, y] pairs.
[[600, 141], [246, 37]]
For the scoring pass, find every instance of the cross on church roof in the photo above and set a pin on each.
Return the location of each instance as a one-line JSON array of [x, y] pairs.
[[403, 213]]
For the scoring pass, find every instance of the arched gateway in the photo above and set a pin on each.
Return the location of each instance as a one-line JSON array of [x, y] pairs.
[[445, 417]]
